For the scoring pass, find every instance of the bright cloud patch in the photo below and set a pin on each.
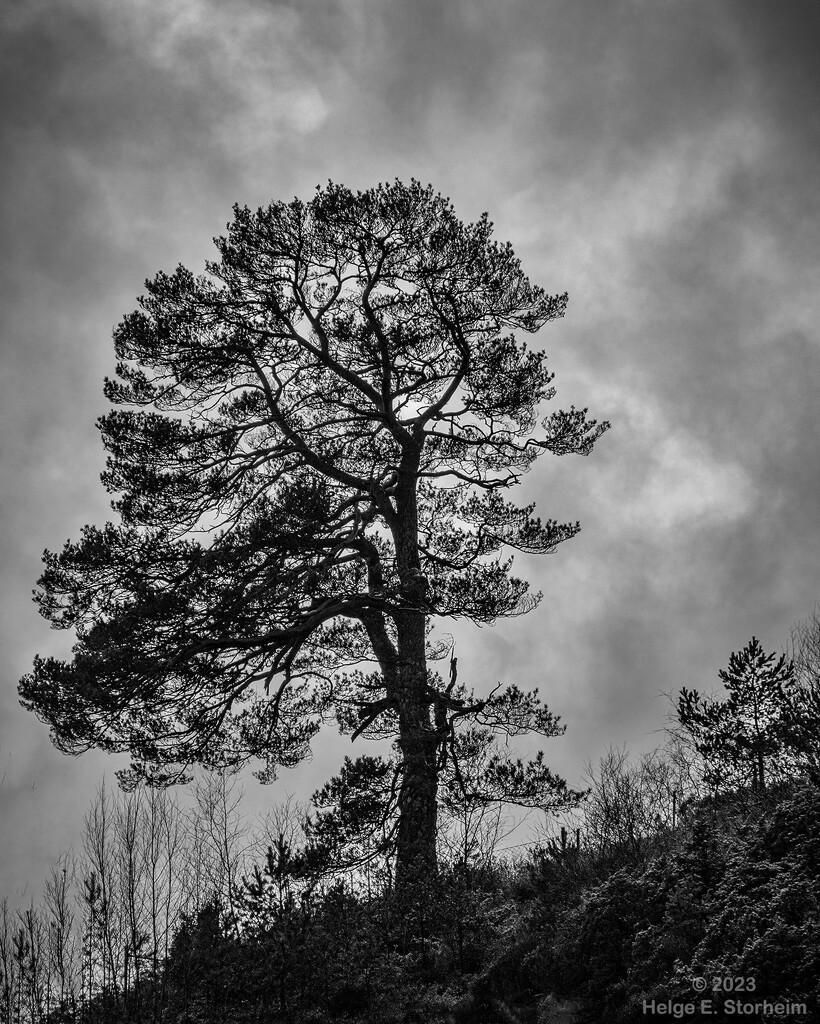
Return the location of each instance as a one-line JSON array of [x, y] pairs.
[[670, 480], [687, 487], [238, 50]]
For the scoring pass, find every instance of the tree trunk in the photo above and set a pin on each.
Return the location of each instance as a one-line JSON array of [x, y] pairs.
[[418, 742], [416, 845], [418, 804]]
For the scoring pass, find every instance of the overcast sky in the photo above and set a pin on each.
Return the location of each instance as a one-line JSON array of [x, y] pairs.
[[658, 160]]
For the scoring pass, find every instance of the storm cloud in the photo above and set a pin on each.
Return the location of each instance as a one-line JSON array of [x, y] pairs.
[[656, 159]]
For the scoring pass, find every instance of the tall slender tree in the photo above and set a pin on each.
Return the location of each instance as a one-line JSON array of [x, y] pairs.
[[742, 737], [309, 468]]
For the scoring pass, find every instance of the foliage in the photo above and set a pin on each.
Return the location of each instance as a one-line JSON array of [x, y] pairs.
[[745, 738], [308, 467], [729, 891], [737, 899], [355, 819], [355, 815]]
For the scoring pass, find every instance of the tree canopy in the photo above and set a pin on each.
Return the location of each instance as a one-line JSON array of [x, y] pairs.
[[742, 737], [309, 454]]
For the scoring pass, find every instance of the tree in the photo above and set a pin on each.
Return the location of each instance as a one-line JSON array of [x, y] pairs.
[[804, 707], [353, 819], [743, 736], [631, 804], [310, 471], [62, 946]]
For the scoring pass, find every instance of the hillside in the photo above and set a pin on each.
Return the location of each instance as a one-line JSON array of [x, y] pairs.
[[584, 933]]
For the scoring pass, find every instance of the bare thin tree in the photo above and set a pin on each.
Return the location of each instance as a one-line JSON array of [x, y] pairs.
[[60, 924], [226, 839]]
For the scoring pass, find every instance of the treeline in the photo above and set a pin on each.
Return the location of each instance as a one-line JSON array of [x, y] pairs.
[[181, 915], [173, 916], [192, 913], [699, 860], [167, 908], [109, 912], [724, 906]]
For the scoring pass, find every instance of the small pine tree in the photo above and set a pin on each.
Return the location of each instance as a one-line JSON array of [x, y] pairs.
[[742, 737]]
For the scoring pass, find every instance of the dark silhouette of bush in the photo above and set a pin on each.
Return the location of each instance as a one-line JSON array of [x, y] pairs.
[[730, 892], [738, 898]]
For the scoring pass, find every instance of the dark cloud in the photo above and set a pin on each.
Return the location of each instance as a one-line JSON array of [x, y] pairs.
[[657, 159]]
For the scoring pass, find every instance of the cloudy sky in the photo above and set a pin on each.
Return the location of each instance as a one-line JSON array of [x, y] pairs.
[[657, 159]]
